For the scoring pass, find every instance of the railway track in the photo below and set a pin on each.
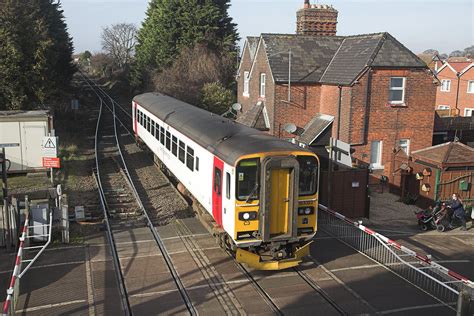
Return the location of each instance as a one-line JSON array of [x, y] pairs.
[[123, 207]]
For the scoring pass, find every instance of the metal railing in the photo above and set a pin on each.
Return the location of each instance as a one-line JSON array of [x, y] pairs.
[[447, 287]]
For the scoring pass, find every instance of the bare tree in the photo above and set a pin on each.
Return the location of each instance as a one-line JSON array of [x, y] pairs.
[[118, 41]]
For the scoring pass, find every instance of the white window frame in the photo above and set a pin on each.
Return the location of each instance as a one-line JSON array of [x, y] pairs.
[[470, 82], [246, 83], [407, 146], [469, 110], [444, 107], [398, 88], [448, 88], [378, 164], [265, 117], [263, 79]]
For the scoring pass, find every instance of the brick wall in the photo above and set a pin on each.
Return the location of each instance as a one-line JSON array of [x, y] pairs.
[[447, 98], [304, 105], [245, 65], [466, 100], [388, 124]]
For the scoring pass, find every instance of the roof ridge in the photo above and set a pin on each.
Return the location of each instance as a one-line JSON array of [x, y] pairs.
[[332, 59], [377, 49]]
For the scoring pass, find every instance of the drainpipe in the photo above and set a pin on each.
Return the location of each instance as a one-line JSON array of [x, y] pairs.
[[457, 93], [339, 112], [367, 106]]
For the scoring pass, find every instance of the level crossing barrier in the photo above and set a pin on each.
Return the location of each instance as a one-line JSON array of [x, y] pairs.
[[448, 287]]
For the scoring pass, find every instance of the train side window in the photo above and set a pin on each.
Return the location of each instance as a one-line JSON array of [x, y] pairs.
[[153, 128], [182, 151], [174, 145], [217, 180], [227, 185], [148, 124], [162, 135], [140, 118], [168, 140], [157, 132], [197, 163], [190, 158]]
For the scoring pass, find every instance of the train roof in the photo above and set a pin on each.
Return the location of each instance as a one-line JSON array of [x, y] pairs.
[[223, 137]]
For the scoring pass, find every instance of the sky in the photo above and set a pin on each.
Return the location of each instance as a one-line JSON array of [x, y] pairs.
[[446, 25]]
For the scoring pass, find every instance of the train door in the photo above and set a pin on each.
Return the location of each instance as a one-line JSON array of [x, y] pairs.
[[278, 211], [217, 190]]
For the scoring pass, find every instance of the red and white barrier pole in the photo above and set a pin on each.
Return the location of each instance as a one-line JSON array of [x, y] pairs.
[[16, 270]]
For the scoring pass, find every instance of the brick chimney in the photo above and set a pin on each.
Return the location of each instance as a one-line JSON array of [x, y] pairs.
[[316, 19]]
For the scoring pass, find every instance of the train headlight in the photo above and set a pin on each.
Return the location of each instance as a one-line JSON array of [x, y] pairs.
[[247, 216], [305, 210]]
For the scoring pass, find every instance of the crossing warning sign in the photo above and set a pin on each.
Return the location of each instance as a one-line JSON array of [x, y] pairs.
[[51, 162], [49, 146]]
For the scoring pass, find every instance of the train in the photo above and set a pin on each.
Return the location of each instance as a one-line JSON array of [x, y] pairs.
[[261, 192]]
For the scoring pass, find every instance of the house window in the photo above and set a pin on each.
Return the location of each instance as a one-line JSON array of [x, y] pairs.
[[376, 154], [397, 90], [443, 107], [470, 86], [263, 78], [405, 145], [469, 112], [190, 158], [246, 83], [445, 85]]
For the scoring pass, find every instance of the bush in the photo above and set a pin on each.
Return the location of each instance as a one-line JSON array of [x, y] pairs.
[[216, 98]]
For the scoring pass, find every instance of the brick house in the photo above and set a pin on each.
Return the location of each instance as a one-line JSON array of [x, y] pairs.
[[455, 95], [367, 90]]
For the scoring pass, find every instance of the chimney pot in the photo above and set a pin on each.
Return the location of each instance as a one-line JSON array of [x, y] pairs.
[[306, 4]]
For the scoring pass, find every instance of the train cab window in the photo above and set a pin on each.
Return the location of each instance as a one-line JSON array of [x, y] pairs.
[[174, 145], [308, 175], [197, 163], [227, 185], [162, 135], [182, 151], [247, 179], [168, 140], [190, 158]]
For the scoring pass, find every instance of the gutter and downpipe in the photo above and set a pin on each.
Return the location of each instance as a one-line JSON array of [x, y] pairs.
[[367, 106]]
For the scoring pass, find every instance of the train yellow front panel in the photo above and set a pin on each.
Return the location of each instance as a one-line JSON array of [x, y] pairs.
[[279, 199]]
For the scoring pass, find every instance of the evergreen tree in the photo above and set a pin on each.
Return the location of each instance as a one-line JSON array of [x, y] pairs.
[[171, 25], [36, 61]]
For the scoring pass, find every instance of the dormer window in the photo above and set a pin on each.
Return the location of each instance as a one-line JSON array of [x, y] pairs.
[[263, 78], [246, 83]]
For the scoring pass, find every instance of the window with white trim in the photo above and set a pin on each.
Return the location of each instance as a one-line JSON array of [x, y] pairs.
[[376, 154], [470, 86], [263, 78], [469, 112], [443, 107], [246, 83], [397, 90], [445, 85], [404, 145]]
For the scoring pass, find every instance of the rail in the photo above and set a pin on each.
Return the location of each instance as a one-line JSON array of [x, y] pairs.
[[13, 289], [155, 233], [444, 285], [120, 278]]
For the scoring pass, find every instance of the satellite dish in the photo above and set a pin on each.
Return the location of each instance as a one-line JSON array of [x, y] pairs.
[[290, 128], [237, 107]]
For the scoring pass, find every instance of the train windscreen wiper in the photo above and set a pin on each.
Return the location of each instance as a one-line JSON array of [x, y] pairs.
[[254, 190]]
